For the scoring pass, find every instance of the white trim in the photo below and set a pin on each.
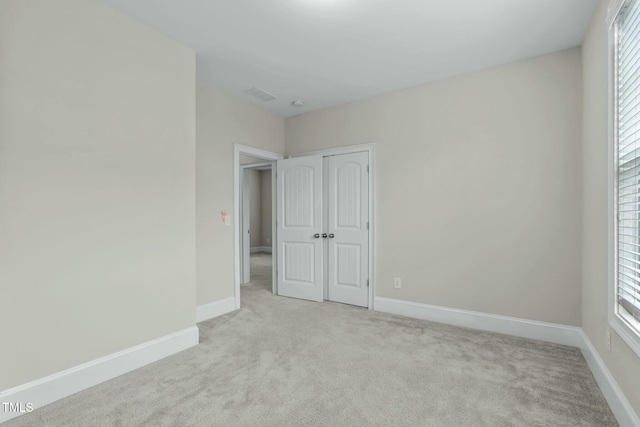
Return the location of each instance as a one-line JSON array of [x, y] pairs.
[[65, 383], [532, 329], [624, 331], [371, 149], [245, 214], [274, 228], [629, 335], [260, 166], [215, 309], [372, 224], [239, 149], [614, 10], [347, 149], [257, 249], [620, 406], [551, 332]]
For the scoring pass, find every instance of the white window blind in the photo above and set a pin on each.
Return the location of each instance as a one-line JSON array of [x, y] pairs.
[[627, 132]]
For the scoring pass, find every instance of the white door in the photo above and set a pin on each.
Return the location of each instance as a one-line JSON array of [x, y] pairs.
[[299, 228], [347, 199]]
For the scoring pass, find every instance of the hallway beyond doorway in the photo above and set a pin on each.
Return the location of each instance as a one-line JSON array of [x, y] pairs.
[[261, 266]]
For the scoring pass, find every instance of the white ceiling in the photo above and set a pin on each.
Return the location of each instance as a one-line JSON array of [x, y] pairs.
[[328, 52]]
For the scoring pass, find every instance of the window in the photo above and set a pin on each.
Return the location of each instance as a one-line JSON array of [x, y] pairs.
[[625, 301]]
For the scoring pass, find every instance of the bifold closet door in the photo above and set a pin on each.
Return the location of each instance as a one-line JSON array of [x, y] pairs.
[[299, 228], [347, 216]]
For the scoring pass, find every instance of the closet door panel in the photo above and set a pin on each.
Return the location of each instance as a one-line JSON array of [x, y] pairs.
[[347, 198], [299, 228]]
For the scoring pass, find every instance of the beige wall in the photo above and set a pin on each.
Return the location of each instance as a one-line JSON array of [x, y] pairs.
[[623, 363], [266, 214], [255, 202], [260, 205], [97, 177], [478, 186], [222, 121], [244, 159]]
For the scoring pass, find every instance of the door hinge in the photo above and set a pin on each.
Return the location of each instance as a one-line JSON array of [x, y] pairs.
[[367, 225], [367, 283], [367, 168]]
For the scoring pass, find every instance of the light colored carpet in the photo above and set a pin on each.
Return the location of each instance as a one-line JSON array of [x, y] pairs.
[[285, 362]]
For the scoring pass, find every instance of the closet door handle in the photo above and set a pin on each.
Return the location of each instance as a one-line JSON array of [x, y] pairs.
[[317, 236], [331, 236], [324, 235]]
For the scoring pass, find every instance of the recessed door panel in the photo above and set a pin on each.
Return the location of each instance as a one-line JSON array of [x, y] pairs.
[[299, 263], [299, 209], [347, 196], [347, 260]]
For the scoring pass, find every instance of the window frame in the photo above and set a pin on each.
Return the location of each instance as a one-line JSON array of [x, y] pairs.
[[617, 322]]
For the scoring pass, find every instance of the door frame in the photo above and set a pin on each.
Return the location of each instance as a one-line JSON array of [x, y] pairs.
[[370, 149], [238, 150]]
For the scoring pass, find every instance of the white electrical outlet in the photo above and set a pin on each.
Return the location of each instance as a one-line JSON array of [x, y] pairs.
[[268, 240], [397, 282], [607, 335]]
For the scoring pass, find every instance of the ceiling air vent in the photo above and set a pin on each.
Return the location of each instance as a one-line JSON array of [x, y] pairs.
[[260, 94]]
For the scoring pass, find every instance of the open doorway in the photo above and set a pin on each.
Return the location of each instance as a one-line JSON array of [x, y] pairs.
[[256, 215], [252, 160]]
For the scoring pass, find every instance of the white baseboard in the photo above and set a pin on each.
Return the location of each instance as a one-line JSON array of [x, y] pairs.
[[543, 331], [215, 309], [65, 383], [551, 332], [616, 399], [261, 249]]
